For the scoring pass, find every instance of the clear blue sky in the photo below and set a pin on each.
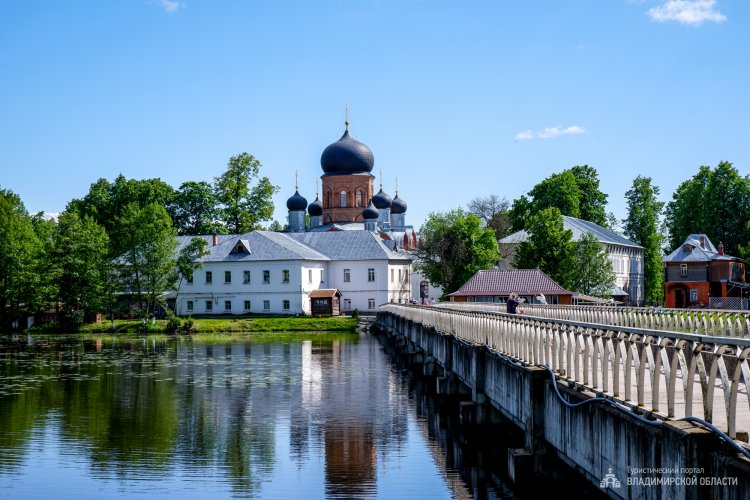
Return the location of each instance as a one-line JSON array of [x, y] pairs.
[[457, 99]]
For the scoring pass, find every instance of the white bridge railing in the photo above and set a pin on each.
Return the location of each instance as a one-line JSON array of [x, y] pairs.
[[670, 374], [727, 323]]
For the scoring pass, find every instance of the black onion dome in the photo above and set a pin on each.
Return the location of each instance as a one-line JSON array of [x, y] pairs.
[[398, 206], [370, 212], [296, 202], [382, 200], [316, 208], [347, 156]]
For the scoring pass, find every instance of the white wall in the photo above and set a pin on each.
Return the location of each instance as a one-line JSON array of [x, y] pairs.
[[358, 293], [433, 292], [276, 291]]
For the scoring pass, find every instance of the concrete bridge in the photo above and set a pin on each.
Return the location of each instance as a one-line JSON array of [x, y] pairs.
[[641, 412]]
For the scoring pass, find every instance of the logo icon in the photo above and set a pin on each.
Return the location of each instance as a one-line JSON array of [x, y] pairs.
[[610, 480]]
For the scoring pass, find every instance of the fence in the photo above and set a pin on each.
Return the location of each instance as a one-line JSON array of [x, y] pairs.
[[726, 323], [727, 303], [673, 373]]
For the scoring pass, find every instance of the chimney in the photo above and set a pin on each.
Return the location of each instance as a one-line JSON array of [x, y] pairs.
[[721, 248], [703, 242], [215, 239]]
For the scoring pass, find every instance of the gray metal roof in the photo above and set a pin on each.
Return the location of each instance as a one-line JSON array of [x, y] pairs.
[[347, 245], [321, 246], [692, 250], [338, 226], [579, 227], [264, 245]]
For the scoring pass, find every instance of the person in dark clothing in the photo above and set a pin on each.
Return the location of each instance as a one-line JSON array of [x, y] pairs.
[[512, 303]]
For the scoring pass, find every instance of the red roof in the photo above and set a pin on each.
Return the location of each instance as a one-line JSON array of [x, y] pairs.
[[521, 281]]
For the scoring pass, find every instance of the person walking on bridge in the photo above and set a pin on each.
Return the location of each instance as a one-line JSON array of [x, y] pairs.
[[512, 303]]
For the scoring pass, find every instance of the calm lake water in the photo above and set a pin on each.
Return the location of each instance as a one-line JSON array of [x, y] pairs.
[[319, 418]]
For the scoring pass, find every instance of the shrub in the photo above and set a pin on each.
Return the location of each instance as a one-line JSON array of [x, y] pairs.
[[355, 313], [174, 324], [189, 325]]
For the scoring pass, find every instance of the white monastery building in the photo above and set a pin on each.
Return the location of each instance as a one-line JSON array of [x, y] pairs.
[[357, 245]]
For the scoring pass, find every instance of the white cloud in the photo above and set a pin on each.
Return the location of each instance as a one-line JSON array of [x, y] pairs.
[[170, 6], [526, 135], [550, 132], [691, 12]]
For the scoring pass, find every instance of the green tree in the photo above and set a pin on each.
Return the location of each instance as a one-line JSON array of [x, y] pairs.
[[560, 191], [715, 202], [42, 277], [575, 192], [188, 260], [455, 247], [147, 267], [592, 201], [244, 207], [196, 209], [106, 201], [81, 249], [549, 247], [494, 213], [685, 214], [519, 213], [642, 227], [19, 251], [591, 271]]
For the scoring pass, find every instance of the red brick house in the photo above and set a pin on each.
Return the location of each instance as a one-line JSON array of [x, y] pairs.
[[496, 285], [697, 274]]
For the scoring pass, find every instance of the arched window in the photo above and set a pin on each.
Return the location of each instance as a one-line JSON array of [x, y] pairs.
[[328, 199], [359, 198], [342, 203]]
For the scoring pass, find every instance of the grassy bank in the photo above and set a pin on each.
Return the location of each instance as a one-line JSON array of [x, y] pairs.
[[261, 324]]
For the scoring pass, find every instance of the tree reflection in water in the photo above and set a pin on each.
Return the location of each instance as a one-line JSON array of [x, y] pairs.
[[209, 415]]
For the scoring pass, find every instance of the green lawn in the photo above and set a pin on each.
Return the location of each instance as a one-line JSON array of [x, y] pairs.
[[259, 324]]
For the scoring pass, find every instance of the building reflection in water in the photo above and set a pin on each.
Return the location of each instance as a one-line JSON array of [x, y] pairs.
[[223, 417]]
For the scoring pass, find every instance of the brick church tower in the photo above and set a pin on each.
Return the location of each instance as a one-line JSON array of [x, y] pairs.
[[347, 181]]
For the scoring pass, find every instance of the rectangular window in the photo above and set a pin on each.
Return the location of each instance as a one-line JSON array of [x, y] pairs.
[[347, 304], [399, 275], [371, 274], [309, 275], [285, 276], [247, 305], [266, 305], [246, 277], [371, 303], [227, 276], [189, 279], [683, 269], [392, 275], [347, 276], [406, 275], [266, 276], [190, 305], [342, 200], [209, 306], [321, 276], [285, 305], [209, 277], [227, 305], [693, 294]]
